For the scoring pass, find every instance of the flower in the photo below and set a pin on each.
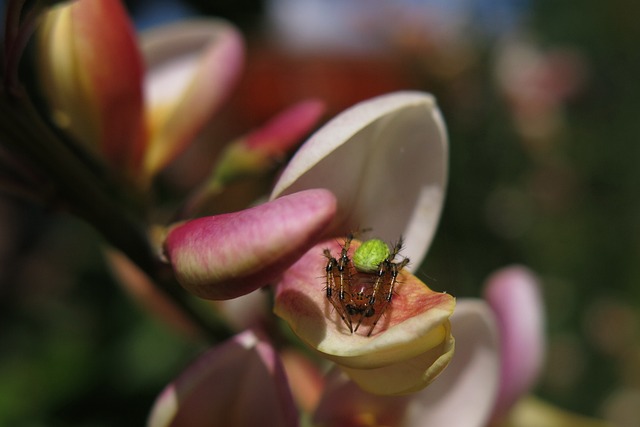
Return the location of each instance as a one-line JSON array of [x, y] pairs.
[[413, 344], [136, 105], [487, 380], [406, 351], [372, 157], [168, 86]]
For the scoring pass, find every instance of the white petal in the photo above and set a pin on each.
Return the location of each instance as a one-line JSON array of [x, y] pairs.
[[385, 159], [464, 394]]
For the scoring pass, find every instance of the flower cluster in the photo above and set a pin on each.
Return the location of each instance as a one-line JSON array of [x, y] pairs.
[[131, 104]]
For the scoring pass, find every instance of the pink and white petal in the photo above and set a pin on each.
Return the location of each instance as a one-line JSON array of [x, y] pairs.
[[228, 255], [385, 159], [238, 383], [415, 322], [514, 295], [192, 68], [83, 45], [464, 394]]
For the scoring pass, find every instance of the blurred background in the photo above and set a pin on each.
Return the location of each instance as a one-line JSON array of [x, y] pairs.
[[542, 103]]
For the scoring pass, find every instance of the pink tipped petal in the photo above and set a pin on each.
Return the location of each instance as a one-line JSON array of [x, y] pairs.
[[287, 128], [514, 296], [238, 383], [406, 344], [92, 72], [228, 255], [385, 159], [464, 394], [192, 67], [257, 152]]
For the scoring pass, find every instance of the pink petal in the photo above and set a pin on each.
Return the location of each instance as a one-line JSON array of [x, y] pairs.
[[385, 159], [229, 255], [193, 66], [464, 394], [514, 296], [92, 71], [238, 383], [258, 151], [412, 336], [284, 130]]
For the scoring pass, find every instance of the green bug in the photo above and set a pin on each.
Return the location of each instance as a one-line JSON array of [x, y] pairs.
[[362, 288]]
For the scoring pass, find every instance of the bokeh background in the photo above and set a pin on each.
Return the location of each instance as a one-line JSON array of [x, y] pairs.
[[542, 102]]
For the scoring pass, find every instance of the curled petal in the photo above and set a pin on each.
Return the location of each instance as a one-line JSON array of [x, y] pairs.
[[228, 255], [385, 159], [464, 394], [409, 347], [91, 71], [286, 129], [514, 295], [192, 67], [239, 383]]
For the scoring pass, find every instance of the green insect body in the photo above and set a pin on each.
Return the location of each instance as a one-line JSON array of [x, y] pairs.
[[369, 255]]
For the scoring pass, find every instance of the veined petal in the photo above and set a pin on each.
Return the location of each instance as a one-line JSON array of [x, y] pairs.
[[91, 71], [229, 255], [192, 67], [414, 330], [514, 295], [464, 394], [385, 159], [239, 383]]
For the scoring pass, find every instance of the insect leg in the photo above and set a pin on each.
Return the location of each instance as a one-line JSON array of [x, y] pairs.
[[332, 291], [393, 271]]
